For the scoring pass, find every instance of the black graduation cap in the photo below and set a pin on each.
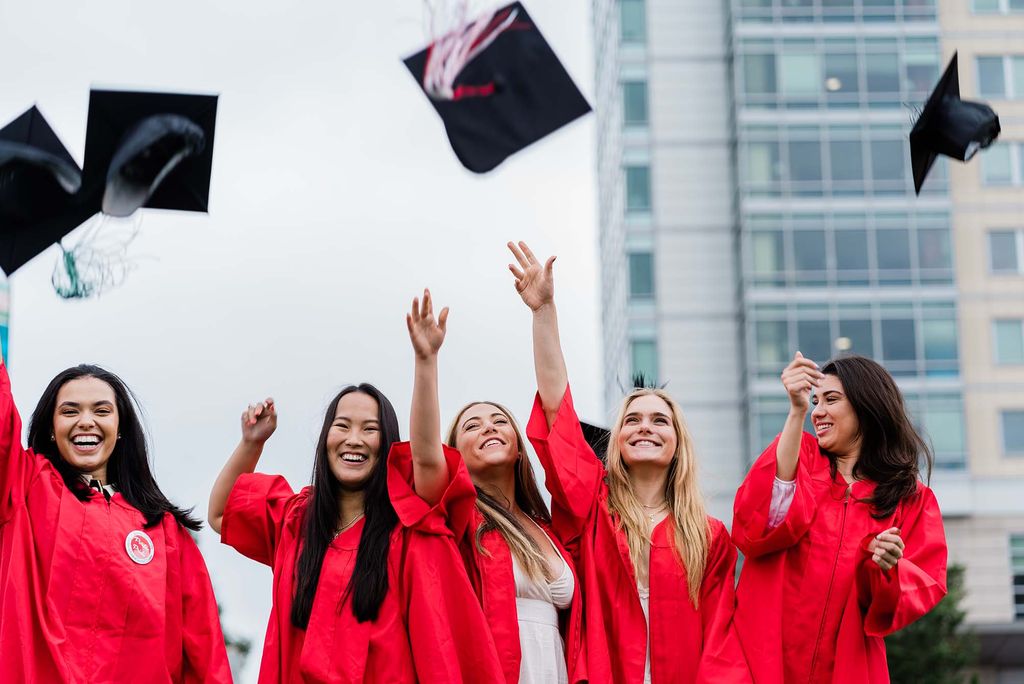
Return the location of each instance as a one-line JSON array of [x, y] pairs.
[[597, 438], [150, 150], [950, 126], [509, 95], [38, 182]]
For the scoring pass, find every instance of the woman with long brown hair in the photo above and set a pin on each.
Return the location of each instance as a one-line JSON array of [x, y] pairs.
[[522, 573], [843, 543], [656, 570]]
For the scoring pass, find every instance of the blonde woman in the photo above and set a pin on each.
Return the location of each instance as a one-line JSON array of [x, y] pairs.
[[656, 570], [522, 573]]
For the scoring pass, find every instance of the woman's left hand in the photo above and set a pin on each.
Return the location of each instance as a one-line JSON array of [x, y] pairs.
[[534, 283], [887, 548]]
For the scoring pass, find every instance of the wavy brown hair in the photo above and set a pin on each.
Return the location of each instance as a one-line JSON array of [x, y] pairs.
[[891, 449], [497, 515]]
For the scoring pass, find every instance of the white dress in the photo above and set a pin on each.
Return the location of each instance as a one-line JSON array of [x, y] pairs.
[[537, 606]]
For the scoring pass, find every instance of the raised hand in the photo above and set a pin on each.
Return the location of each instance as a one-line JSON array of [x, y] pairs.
[[887, 548], [534, 283], [259, 422], [799, 378], [426, 334]]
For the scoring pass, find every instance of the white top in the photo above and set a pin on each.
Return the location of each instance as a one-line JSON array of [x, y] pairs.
[[537, 606], [782, 499], [645, 603]]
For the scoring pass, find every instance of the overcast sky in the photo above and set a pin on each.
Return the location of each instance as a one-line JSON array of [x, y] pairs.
[[335, 199]]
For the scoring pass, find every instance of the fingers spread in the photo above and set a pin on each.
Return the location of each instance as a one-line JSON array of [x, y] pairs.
[[442, 319], [527, 252]]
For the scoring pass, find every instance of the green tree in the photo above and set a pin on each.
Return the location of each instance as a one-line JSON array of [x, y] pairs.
[[936, 649]]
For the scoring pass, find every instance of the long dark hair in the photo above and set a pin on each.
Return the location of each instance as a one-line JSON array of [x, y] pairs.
[[369, 583], [128, 467], [890, 447]]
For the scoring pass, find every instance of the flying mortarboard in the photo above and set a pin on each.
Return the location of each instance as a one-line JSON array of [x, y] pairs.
[[38, 182], [949, 126], [150, 150], [498, 87]]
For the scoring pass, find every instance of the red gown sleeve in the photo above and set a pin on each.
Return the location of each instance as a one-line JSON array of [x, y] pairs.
[[895, 598], [17, 465], [753, 500], [254, 515], [448, 634], [205, 655], [451, 515], [572, 473]]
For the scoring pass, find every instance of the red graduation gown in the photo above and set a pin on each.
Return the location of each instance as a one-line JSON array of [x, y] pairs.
[[429, 628], [493, 580], [687, 644], [74, 606], [811, 604]]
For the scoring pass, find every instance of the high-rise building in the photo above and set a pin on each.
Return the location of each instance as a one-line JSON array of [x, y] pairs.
[[756, 198]]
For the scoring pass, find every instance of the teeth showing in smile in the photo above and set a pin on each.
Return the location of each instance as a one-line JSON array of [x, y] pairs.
[[644, 443], [86, 441], [490, 442], [821, 427], [353, 458]]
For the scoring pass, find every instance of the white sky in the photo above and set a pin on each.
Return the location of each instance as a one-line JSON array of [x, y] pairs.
[[335, 198]]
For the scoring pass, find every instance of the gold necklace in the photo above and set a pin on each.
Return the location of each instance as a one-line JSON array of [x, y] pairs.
[[654, 510], [347, 525]]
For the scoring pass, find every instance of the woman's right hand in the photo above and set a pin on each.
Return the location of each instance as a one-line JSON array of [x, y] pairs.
[[426, 334], [799, 378], [259, 422]]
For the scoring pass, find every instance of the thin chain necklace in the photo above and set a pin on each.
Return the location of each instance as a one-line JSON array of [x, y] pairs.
[[347, 525], [654, 510]]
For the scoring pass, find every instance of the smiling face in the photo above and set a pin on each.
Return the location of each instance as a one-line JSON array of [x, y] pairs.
[[835, 421], [85, 424], [353, 440], [647, 435], [486, 438]]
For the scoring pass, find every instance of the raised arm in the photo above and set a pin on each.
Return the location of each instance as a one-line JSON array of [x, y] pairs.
[[536, 285], [430, 471], [258, 422], [800, 377]]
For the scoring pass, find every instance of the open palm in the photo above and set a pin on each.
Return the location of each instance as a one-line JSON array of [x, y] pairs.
[[534, 283], [426, 333]]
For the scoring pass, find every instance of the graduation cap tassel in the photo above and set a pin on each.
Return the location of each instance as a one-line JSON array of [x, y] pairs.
[[450, 54]]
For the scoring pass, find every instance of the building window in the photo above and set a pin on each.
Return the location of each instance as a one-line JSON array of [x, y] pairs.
[[641, 275], [1017, 570], [940, 418], [634, 103], [1003, 164], [1001, 77], [644, 360], [1006, 251], [1013, 433], [1008, 335], [997, 6], [638, 189], [632, 21]]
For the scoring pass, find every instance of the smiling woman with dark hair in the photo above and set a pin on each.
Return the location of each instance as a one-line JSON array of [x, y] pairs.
[[843, 543], [356, 556], [100, 580]]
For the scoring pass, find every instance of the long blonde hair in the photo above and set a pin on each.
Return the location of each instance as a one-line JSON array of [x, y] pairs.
[[692, 534], [498, 516]]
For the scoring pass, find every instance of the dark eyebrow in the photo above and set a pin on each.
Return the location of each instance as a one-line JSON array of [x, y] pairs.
[[75, 404]]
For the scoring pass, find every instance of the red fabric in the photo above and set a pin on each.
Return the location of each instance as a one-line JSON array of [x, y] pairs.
[[687, 644], [811, 605], [430, 628], [74, 607], [491, 575]]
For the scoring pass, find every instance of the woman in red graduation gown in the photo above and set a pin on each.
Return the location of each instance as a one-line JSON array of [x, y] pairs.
[[656, 571], [842, 542], [523, 575], [367, 587], [100, 580]]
